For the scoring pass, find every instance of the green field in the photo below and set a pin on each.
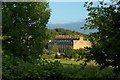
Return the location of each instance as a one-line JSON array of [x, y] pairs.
[[74, 70], [73, 62]]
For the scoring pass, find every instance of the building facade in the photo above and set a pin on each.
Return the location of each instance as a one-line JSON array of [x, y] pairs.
[[65, 41]]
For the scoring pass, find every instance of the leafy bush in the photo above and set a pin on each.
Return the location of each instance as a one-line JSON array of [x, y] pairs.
[[42, 69], [46, 56], [17, 69], [62, 56]]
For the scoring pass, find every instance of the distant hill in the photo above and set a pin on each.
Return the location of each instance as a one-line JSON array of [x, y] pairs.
[[61, 31], [72, 26]]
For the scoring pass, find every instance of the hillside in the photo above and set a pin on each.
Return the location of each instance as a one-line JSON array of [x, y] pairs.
[[61, 31]]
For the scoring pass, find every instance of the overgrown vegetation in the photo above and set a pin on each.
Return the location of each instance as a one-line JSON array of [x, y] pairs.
[[24, 29], [106, 41], [25, 35], [24, 38], [17, 69], [69, 53]]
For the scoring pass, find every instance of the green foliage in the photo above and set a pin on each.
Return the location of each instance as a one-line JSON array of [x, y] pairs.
[[90, 72], [24, 38], [106, 46], [78, 54], [45, 51], [69, 52], [55, 49], [62, 56], [24, 28], [61, 31], [51, 52], [48, 56], [17, 69]]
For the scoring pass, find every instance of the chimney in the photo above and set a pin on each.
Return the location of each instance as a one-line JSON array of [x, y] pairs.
[[81, 38]]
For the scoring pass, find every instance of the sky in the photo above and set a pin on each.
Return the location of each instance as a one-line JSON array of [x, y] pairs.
[[77, 0], [68, 15], [67, 12]]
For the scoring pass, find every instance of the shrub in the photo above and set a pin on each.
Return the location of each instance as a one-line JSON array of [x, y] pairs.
[[17, 69], [46, 56]]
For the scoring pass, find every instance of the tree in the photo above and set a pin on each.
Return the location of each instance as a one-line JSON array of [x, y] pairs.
[[45, 51], [55, 48], [69, 52], [106, 44], [61, 31], [24, 28]]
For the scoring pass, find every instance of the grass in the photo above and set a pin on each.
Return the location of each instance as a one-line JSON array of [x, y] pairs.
[[66, 61], [72, 62], [73, 69]]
